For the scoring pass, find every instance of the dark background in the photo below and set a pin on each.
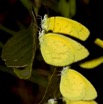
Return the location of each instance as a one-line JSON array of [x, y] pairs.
[[90, 15]]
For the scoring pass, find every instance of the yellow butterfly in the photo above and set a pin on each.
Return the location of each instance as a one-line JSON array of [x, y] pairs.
[[65, 26], [57, 49], [74, 86], [92, 63], [99, 42]]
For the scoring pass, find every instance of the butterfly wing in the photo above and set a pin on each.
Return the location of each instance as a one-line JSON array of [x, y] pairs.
[[99, 42], [55, 50], [66, 26], [92, 63], [74, 86], [59, 50]]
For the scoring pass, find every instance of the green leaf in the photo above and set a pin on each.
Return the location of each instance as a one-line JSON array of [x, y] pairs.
[[67, 8], [20, 49], [23, 73], [72, 7]]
